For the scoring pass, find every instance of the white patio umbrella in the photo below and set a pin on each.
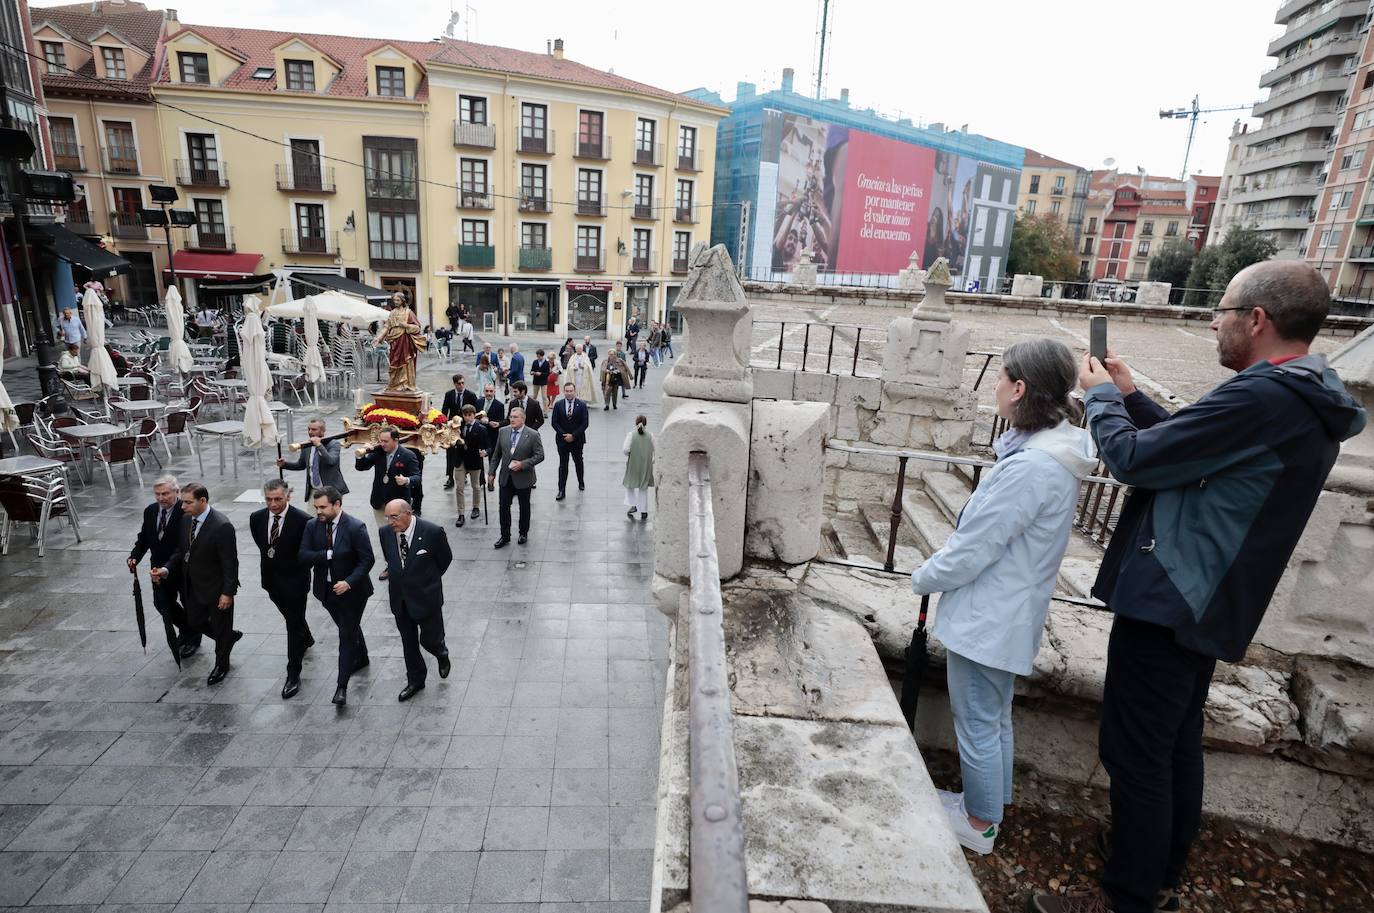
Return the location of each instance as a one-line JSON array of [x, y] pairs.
[[103, 375], [335, 307], [9, 419], [314, 364], [178, 353], [259, 427]]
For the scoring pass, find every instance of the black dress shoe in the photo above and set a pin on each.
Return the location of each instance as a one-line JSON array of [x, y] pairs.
[[448, 485], [581, 487], [290, 689], [309, 642], [460, 521], [188, 650], [340, 695], [502, 542], [385, 574], [523, 539], [217, 675], [560, 496], [444, 666], [476, 512], [606, 408], [409, 691]]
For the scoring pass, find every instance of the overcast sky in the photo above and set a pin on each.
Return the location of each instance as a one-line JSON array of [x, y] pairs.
[[1080, 80]]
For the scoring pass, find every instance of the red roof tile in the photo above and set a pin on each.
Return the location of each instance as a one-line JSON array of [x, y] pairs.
[[1040, 160], [134, 23]]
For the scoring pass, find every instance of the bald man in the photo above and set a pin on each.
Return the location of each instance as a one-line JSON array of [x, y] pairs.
[[1222, 491], [417, 554]]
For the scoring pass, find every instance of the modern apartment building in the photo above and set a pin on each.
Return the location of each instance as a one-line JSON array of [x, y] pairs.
[[1282, 165], [1050, 186]]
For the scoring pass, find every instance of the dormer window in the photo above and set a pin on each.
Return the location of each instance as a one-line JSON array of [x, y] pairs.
[[300, 75], [264, 73], [55, 55], [113, 59], [194, 67], [391, 81]]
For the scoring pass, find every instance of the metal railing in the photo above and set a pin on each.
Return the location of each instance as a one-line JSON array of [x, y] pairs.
[[201, 173], [591, 206], [319, 180], [477, 136], [716, 867], [825, 335]]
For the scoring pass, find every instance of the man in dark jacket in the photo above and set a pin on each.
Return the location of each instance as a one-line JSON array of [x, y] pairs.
[[520, 399], [569, 418], [337, 546], [277, 531], [472, 459], [207, 560], [1222, 492], [417, 554], [320, 460], [454, 401], [394, 470], [157, 538]]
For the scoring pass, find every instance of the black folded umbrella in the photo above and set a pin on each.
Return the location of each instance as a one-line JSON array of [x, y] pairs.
[[138, 614], [916, 661]]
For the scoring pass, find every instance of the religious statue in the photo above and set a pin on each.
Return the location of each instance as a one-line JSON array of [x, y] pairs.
[[405, 339]]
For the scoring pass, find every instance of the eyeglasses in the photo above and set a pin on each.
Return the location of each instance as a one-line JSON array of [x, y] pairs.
[[1217, 312]]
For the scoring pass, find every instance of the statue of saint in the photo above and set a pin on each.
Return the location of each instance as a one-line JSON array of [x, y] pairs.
[[405, 339]]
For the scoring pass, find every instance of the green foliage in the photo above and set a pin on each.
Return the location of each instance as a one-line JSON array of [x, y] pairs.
[[1173, 262], [1042, 246], [1214, 268]]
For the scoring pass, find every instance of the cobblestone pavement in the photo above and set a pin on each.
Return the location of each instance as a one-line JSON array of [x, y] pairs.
[[524, 783]]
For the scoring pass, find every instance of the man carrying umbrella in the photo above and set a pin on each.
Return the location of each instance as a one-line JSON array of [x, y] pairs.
[[157, 538]]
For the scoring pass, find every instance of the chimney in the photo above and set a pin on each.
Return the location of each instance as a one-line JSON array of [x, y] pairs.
[[744, 90], [787, 75], [844, 97], [558, 49], [169, 22]]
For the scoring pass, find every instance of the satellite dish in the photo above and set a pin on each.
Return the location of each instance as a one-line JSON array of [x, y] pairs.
[[1109, 162]]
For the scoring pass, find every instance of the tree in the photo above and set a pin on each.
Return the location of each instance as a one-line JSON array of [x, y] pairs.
[[1214, 268], [1042, 246], [1173, 262]]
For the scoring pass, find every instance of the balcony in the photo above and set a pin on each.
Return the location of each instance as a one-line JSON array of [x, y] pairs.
[[589, 261], [128, 225], [533, 258], [679, 266], [1056, 191], [684, 214], [1330, 83], [67, 157], [1364, 253], [646, 209], [122, 160], [477, 196], [476, 256], [322, 243], [206, 174], [643, 262], [531, 203], [532, 143], [394, 256], [81, 223], [591, 206], [1295, 220], [688, 161], [1336, 46], [1254, 193], [474, 136], [305, 180], [391, 188], [219, 240], [650, 154], [1366, 215], [597, 148], [1315, 24], [1321, 117], [1142, 255], [1281, 156]]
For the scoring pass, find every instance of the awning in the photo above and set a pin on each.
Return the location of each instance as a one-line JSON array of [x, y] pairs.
[[244, 286], [189, 264], [333, 282], [76, 250]]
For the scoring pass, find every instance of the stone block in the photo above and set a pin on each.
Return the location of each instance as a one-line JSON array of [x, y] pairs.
[[889, 429], [1027, 286], [786, 463], [722, 430], [858, 391], [951, 436], [814, 388], [926, 352], [804, 273], [771, 383], [1336, 702], [850, 422], [1153, 294]]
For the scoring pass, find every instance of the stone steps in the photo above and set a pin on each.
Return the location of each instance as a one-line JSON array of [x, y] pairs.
[[927, 521], [854, 539], [949, 491], [909, 552]]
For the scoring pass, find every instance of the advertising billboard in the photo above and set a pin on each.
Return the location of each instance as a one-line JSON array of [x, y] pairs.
[[859, 202]]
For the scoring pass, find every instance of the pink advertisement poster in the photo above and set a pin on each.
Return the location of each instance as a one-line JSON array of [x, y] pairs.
[[883, 218]]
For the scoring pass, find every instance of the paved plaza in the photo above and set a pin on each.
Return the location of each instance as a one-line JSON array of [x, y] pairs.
[[526, 781]]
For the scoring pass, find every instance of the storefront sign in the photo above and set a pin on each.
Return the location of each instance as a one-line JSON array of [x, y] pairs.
[[588, 286]]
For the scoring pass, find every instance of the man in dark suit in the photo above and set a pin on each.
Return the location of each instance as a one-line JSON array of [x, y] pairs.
[[394, 470], [570, 420], [521, 399], [476, 445], [277, 530], [337, 546], [417, 554], [494, 408], [319, 459], [454, 401], [207, 559], [590, 350], [518, 451], [157, 538], [517, 365]]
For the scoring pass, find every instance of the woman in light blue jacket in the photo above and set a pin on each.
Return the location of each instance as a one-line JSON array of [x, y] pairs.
[[997, 572]]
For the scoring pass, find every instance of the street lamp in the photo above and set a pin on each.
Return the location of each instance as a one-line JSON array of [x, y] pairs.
[[165, 218]]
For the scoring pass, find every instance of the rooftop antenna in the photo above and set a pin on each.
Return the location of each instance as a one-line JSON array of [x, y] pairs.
[[822, 35]]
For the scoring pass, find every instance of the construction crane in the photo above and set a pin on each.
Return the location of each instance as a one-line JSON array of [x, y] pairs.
[[1192, 113]]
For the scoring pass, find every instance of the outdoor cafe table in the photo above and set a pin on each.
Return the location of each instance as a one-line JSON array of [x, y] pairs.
[[131, 381], [28, 466], [137, 406], [277, 407], [90, 437], [221, 431]]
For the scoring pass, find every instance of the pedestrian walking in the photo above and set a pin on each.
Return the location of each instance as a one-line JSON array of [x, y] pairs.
[[642, 356], [1221, 493], [486, 373], [540, 369], [655, 341], [454, 401], [157, 538], [581, 373], [70, 328], [666, 343], [518, 450], [615, 378], [337, 548], [417, 554], [470, 457], [277, 530], [998, 571], [639, 468], [465, 332], [570, 419]]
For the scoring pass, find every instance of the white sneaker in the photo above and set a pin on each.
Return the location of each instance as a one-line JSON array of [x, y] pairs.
[[948, 799], [979, 841]]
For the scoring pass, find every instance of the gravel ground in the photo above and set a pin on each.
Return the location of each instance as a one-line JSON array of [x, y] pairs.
[[1049, 842]]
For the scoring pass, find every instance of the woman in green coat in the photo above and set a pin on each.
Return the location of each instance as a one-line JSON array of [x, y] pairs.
[[639, 469]]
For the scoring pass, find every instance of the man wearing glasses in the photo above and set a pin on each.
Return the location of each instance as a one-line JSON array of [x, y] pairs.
[[1222, 490]]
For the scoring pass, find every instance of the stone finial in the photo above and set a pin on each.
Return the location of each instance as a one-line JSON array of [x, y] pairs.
[[715, 365], [804, 274], [937, 282], [914, 261]]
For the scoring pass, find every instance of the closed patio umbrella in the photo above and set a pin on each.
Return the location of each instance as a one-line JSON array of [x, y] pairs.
[[178, 353], [9, 419], [103, 375], [314, 364], [259, 427]]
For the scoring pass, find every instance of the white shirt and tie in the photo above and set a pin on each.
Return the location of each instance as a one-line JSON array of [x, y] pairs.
[[404, 540], [315, 468]]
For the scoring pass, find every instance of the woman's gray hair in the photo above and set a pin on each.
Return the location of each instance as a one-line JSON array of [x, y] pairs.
[[1047, 368]]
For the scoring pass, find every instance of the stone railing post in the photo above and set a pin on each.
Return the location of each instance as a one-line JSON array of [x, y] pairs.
[[913, 278], [805, 272]]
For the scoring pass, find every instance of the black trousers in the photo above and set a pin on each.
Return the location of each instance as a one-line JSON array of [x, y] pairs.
[[291, 605], [564, 451], [428, 633], [167, 602], [508, 493], [348, 616], [1150, 743], [216, 624], [641, 373]]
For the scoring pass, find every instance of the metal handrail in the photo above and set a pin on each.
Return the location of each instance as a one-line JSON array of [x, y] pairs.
[[719, 882]]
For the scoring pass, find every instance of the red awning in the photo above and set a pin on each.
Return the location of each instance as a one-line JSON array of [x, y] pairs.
[[190, 264]]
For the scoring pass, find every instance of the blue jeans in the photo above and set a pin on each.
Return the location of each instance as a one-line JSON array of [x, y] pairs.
[[980, 698]]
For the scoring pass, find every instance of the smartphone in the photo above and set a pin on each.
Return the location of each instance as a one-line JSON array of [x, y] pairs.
[[1097, 338]]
